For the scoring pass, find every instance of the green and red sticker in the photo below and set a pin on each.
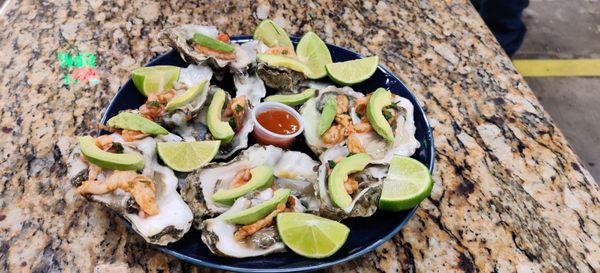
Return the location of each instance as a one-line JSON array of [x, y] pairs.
[[77, 67]]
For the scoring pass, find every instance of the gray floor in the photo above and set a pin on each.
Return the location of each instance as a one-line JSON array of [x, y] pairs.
[[563, 29]]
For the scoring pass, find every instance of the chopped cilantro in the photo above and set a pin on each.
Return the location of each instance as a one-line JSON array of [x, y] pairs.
[[284, 52], [232, 123], [117, 147], [153, 103], [331, 164], [238, 108], [387, 114]]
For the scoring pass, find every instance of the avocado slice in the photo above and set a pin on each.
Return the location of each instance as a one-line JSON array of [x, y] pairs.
[[294, 99], [187, 97], [262, 177], [339, 174], [218, 128], [378, 100], [253, 214], [284, 61], [107, 160], [272, 34], [131, 121], [327, 116], [212, 43]]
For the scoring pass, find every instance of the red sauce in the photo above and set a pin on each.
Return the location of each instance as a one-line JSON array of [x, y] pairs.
[[278, 121]]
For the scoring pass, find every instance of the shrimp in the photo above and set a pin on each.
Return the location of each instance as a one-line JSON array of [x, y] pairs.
[[140, 187], [130, 135], [362, 127], [333, 135], [241, 178], [104, 142], [250, 229], [237, 109], [350, 185], [342, 104], [361, 105], [354, 145]]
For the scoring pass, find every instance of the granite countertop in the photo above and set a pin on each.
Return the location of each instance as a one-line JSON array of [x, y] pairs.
[[510, 193]]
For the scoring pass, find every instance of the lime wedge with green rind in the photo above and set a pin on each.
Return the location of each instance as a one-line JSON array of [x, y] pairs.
[[272, 35], [188, 96], [154, 79], [310, 235], [284, 61], [315, 53], [407, 183], [187, 156], [352, 72]]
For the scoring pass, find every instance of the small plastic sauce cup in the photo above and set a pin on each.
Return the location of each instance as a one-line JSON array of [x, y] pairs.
[[266, 137]]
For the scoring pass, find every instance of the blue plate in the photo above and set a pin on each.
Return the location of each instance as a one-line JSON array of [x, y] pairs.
[[365, 233]]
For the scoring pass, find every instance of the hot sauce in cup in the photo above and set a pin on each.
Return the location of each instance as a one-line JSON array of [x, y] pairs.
[[276, 124]]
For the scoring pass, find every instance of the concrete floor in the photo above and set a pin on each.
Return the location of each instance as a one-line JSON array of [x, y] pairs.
[[568, 29]]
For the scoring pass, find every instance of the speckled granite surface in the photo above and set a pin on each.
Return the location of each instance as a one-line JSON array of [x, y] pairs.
[[510, 194]]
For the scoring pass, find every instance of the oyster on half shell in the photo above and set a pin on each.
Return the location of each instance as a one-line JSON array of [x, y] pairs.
[[174, 218], [364, 199], [219, 235], [292, 170], [369, 141], [243, 58]]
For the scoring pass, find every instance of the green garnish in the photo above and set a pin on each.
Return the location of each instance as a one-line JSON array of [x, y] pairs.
[[238, 108], [117, 147], [232, 123], [153, 103], [331, 164]]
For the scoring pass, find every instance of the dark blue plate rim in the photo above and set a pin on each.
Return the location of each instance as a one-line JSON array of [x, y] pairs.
[[367, 249]]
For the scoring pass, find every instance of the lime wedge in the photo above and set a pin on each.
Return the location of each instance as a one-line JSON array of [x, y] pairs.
[[408, 182], [310, 235], [187, 156], [187, 97], [154, 79], [315, 53], [283, 61], [354, 71], [272, 35]]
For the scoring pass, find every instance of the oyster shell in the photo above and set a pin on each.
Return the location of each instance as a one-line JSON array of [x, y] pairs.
[[311, 113], [292, 170], [250, 86], [364, 200], [245, 54], [376, 146], [174, 218], [188, 77], [280, 78], [219, 236]]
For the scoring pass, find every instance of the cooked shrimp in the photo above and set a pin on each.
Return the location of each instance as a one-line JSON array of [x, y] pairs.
[[342, 104], [93, 171], [130, 135], [215, 53], [361, 105], [140, 187], [333, 135], [350, 185], [104, 142], [362, 127], [250, 229], [241, 178], [343, 119], [237, 109], [354, 145], [223, 37]]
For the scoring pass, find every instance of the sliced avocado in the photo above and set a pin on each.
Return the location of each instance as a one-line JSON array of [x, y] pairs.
[[107, 160], [253, 214], [339, 174], [327, 116], [212, 43], [294, 99], [218, 128], [284, 61], [136, 122], [261, 177], [378, 100], [188, 96]]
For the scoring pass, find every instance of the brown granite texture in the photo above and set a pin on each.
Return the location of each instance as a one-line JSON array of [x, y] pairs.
[[510, 194]]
